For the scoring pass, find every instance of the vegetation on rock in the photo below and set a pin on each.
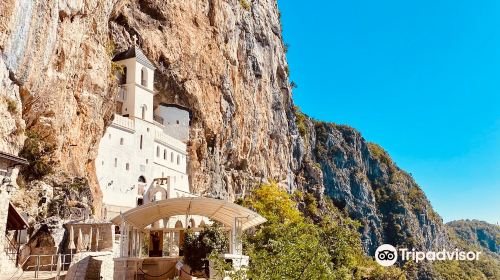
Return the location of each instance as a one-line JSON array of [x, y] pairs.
[[38, 153], [488, 265], [11, 106], [300, 120]]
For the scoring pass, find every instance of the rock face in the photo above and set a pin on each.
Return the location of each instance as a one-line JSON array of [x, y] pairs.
[[55, 55], [225, 62], [361, 178], [477, 233]]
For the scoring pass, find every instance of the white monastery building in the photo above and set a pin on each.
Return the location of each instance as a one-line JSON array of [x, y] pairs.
[[142, 155]]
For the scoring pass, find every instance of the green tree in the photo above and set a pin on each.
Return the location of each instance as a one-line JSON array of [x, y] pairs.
[[197, 247], [291, 246]]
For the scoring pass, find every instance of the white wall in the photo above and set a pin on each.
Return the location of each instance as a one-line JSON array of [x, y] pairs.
[[175, 121], [123, 191], [122, 142], [136, 95]]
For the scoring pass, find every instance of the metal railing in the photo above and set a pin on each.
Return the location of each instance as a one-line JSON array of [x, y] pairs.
[[52, 266], [11, 250]]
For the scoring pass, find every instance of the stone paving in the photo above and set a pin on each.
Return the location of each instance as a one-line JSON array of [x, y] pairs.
[[28, 275]]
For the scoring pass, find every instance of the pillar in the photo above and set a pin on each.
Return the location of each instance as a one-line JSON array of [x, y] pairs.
[[170, 242], [236, 246], [122, 239], [132, 254]]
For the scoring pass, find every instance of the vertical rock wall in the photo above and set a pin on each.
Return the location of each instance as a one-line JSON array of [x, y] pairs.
[[225, 62]]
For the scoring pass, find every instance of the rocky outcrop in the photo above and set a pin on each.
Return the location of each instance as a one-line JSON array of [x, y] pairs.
[[56, 55], [11, 123], [225, 62], [361, 179], [477, 233]]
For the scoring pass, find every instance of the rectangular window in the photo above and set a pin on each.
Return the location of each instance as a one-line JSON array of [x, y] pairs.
[[121, 141], [127, 166]]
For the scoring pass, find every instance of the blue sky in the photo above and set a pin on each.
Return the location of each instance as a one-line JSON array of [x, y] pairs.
[[420, 78]]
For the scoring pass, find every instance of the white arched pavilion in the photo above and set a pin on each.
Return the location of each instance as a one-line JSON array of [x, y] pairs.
[[135, 223]]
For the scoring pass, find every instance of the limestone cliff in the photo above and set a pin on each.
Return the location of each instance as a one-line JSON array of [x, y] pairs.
[[55, 55], [361, 179], [224, 61], [477, 233]]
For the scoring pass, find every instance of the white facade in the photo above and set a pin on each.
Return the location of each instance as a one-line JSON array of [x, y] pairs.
[[136, 150], [175, 120]]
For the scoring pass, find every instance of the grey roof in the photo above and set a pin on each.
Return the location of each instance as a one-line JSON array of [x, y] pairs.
[[138, 54], [12, 158]]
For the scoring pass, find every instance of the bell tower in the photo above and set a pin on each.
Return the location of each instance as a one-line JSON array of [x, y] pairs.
[[136, 92]]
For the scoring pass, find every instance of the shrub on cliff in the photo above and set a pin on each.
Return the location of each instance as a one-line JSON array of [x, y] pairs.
[[300, 120], [38, 153]]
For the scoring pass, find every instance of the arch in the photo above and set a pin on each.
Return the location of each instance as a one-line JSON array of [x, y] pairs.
[[202, 223], [150, 195], [178, 224], [192, 223], [141, 179], [144, 77]]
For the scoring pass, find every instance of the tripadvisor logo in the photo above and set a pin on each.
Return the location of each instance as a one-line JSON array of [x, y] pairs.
[[387, 255]]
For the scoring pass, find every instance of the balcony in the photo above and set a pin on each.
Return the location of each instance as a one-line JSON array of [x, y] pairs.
[[124, 123]]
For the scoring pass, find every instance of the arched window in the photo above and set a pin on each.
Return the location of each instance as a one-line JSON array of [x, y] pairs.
[[123, 77], [178, 159], [140, 144], [141, 179], [165, 154], [171, 157], [121, 141], [116, 162], [127, 166], [177, 234], [157, 151], [192, 223], [144, 77]]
